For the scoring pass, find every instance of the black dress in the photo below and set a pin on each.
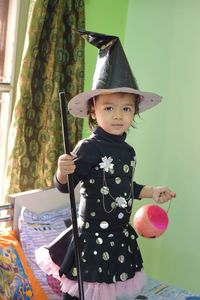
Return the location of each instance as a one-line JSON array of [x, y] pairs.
[[109, 251]]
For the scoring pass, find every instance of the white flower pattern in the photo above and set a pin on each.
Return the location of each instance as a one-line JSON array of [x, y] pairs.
[[121, 202], [106, 163]]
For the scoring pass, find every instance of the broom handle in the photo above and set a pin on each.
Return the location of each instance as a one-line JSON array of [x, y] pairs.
[[65, 132]]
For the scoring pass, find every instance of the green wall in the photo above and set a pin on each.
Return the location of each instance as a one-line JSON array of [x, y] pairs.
[[162, 42]]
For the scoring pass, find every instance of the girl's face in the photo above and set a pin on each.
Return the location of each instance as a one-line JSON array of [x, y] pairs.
[[114, 112]]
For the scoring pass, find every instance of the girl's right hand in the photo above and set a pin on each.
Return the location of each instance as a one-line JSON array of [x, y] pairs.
[[66, 166]]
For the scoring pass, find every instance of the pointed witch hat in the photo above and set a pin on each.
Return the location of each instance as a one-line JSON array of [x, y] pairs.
[[112, 75]]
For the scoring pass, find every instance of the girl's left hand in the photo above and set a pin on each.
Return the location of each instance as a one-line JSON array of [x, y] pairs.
[[162, 194]]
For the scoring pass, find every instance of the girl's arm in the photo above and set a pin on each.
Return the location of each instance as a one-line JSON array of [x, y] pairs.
[[78, 164], [159, 194]]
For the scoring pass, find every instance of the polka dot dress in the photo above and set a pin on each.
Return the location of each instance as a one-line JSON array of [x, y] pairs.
[[109, 252]]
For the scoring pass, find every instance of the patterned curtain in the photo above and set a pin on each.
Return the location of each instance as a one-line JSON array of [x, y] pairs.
[[53, 62]]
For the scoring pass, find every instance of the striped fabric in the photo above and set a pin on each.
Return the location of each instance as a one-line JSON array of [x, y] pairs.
[[37, 230]]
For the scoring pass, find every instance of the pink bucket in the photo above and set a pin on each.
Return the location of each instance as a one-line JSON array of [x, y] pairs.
[[150, 221]]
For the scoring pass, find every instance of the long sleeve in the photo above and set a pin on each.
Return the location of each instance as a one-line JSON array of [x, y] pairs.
[[137, 189], [84, 161], [63, 188]]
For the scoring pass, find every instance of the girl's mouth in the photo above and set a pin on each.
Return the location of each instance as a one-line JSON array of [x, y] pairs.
[[117, 125]]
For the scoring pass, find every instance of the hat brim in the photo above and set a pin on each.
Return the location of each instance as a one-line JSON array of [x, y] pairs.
[[78, 106]]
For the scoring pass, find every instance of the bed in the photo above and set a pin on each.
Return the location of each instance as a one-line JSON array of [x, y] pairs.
[[36, 218]]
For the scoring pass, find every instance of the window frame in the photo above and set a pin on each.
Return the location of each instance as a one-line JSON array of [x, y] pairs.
[[7, 88]]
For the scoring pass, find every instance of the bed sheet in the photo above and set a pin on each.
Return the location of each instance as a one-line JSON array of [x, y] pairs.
[[156, 290], [17, 280]]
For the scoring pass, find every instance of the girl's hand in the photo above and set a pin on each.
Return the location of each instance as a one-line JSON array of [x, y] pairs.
[[162, 194], [66, 166]]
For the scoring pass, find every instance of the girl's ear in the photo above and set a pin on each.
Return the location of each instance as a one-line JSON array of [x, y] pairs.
[[93, 116], [93, 109]]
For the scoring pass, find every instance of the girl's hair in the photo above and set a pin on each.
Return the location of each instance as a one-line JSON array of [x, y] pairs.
[[92, 122]]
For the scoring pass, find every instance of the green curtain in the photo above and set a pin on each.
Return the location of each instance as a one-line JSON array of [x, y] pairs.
[[53, 62]]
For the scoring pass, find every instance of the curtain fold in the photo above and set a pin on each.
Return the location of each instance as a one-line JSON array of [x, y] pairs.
[[53, 61]]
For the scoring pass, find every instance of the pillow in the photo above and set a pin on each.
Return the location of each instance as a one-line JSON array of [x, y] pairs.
[[37, 230], [17, 280]]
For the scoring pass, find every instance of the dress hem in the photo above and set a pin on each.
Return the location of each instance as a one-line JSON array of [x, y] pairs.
[[92, 290]]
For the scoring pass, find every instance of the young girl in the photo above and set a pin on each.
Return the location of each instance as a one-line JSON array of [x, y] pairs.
[[104, 164]]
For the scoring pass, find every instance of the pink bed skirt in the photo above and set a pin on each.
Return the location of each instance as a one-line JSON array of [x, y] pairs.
[[92, 290]]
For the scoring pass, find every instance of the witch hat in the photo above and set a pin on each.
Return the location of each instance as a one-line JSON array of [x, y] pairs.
[[112, 74]]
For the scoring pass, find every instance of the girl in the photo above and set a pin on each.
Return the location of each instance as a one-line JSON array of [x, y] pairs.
[[105, 164]]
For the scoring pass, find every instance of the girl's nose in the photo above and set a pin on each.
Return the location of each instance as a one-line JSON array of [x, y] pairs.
[[117, 114]]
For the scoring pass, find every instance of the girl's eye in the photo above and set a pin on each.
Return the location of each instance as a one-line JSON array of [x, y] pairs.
[[108, 108], [127, 109]]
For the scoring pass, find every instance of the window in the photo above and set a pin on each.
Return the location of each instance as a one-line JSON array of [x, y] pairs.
[[8, 38]]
